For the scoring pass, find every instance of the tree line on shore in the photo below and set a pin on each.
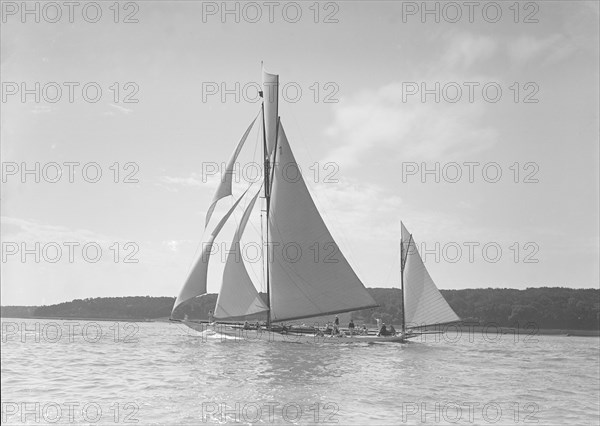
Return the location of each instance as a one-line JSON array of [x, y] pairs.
[[547, 307]]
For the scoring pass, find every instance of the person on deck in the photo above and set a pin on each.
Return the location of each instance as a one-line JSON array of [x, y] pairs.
[[392, 330], [336, 325], [383, 331], [351, 327]]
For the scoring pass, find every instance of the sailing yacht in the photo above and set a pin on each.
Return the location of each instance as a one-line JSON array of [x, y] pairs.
[[304, 286]]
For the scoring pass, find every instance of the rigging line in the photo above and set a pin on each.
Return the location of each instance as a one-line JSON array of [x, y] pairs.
[[262, 258], [331, 216], [257, 143]]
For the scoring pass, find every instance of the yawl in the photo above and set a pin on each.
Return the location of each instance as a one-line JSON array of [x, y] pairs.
[[305, 286]]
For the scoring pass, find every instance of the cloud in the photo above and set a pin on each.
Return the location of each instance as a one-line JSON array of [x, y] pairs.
[[527, 48], [41, 109], [412, 130], [387, 121], [194, 180], [464, 50], [31, 233], [120, 109], [364, 208], [209, 180]]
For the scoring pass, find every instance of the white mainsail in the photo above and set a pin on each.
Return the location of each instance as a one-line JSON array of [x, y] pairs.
[[309, 274], [238, 296], [224, 188], [195, 284], [423, 302]]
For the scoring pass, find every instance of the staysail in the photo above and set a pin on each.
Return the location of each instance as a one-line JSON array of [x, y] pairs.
[[224, 188], [195, 284], [423, 302], [238, 296], [309, 274]]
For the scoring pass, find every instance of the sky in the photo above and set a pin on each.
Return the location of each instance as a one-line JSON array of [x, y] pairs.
[[479, 132]]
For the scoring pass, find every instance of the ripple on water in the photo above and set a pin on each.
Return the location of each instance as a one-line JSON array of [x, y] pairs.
[[171, 375]]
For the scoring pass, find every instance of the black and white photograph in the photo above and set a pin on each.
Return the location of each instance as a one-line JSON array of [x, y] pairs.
[[303, 212]]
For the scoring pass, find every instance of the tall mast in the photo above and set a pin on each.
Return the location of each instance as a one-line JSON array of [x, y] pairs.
[[267, 187], [270, 123]]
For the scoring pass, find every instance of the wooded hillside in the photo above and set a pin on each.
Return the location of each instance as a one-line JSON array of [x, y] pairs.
[[548, 307]]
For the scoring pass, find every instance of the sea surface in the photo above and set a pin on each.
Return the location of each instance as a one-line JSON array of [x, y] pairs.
[[86, 372]]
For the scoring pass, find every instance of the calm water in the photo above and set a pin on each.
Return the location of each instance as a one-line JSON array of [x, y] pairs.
[[160, 373]]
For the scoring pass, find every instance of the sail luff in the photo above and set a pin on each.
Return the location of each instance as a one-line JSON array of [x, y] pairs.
[[195, 284]]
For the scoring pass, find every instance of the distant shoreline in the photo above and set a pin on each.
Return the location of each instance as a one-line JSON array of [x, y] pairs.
[[490, 329], [544, 310]]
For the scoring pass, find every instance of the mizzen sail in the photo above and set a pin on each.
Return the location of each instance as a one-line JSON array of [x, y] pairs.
[[309, 274], [238, 296], [423, 302]]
